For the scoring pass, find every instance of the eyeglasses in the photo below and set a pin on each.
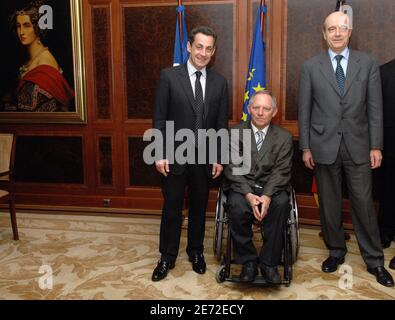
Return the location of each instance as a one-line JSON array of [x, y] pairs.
[[333, 29]]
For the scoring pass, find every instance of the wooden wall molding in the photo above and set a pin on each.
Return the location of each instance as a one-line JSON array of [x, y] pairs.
[[138, 201]]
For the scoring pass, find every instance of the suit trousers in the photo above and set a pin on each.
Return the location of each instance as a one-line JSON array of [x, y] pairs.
[[241, 219], [359, 184], [194, 178]]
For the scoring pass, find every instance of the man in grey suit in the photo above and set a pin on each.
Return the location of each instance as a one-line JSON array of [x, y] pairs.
[[261, 193], [341, 129]]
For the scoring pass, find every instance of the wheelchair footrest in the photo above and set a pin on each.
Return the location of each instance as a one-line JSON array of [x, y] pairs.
[[259, 280]]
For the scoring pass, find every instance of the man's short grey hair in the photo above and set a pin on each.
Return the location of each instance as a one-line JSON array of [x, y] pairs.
[[267, 92]]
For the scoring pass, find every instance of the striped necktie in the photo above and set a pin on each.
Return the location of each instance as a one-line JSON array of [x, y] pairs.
[[259, 139], [340, 77]]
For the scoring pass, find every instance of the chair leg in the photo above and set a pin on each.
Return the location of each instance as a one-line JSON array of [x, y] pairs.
[[13, 218]]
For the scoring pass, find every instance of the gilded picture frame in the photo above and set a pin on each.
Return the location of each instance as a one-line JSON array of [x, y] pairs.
[[43, 80]]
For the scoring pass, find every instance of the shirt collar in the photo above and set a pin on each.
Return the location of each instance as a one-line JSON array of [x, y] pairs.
[[255, 129], [345, 53], [192, 70]]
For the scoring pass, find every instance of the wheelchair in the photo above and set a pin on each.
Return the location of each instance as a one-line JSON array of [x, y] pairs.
[[222, 230]]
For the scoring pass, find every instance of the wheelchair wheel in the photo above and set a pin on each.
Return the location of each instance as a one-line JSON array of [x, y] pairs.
[[220, 276], [219, 224], [294, 229]]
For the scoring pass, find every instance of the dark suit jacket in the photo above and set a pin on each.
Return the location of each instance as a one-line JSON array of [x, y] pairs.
[[270, 167], [388, 84], [325, 117], [175, 100]]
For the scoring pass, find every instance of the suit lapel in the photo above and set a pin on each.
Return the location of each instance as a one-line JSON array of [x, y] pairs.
[[254, 150], [208, 92], [183, 76], [353, 68], [326, 69], [270, 137]]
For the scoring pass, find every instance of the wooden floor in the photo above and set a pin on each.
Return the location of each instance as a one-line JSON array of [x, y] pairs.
[[61, 256]]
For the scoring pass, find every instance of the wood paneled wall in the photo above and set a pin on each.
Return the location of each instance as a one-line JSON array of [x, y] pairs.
[[127, 42]]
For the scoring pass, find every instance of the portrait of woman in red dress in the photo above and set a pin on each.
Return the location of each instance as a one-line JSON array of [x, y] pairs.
[[41, 85]]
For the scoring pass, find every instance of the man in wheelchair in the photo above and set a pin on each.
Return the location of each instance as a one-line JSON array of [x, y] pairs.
[[262, 194]]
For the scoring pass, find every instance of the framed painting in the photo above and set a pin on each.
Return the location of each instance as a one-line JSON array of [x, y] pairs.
[[43, 76]]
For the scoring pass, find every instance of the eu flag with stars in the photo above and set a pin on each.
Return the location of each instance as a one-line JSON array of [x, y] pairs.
[[181, 54], [256, 77]]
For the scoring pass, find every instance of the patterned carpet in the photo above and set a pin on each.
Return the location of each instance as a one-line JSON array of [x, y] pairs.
[[100, 257]]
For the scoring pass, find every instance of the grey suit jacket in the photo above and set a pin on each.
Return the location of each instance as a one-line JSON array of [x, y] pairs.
[[270, 167], [325, 116]]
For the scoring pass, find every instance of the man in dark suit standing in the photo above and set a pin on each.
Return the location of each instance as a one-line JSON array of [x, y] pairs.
[[263, 192], [341, 129], [387, 205], [191, 97]]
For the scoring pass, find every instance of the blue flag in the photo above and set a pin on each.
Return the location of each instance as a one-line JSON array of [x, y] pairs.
[[256, 76], [181, 54]]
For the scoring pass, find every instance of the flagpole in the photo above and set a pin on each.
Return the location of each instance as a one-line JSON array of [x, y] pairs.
[[180, 21], [263, 3], [339, 5]]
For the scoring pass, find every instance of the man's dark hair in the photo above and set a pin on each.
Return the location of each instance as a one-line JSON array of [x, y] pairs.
[[202, 29]]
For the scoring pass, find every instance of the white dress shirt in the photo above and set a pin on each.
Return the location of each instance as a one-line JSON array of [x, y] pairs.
[[255, 130], [343, 62]]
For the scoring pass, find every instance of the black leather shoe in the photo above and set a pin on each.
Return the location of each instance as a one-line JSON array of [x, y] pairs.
[[382, 276], [270, 274], [161, 270], [385, 244], [331, 264], [392, 263], [249, 271], [385, 240], [198, 263]]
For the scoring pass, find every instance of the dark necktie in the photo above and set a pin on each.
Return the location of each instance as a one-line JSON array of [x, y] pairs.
[[198, 104], [340, 77]]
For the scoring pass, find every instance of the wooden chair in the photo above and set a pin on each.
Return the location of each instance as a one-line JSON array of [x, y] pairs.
[[7, 156]]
